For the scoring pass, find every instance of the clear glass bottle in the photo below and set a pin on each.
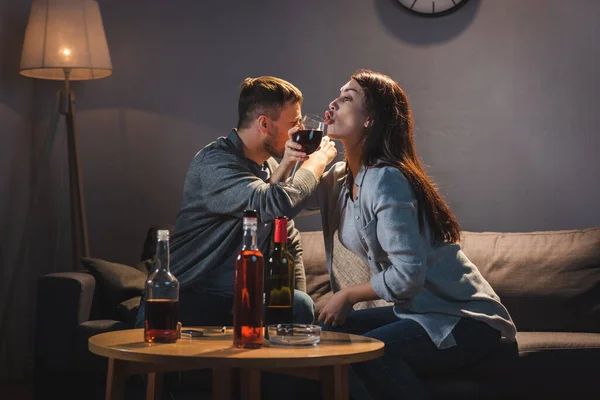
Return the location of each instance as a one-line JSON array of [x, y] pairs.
[[279, 279], [248, 288], [161, 312]]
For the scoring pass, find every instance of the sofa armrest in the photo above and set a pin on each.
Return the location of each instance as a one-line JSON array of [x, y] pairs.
[[64, 301]]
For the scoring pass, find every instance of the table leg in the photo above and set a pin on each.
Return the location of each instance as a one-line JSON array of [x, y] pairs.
[[250, 384], [115, 379], [154, 386], [222, 383], [334, 381]]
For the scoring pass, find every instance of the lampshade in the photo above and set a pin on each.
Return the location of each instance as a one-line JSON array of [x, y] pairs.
[[65, 34]]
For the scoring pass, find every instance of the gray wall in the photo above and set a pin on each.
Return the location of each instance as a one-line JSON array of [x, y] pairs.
[[16, 106], [504, 94]]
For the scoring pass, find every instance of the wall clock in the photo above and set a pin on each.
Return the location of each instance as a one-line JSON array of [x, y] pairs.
[[432, 8]]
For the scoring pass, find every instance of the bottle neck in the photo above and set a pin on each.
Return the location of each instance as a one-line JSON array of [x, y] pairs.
[[162, 258], [280, 233], [249, 242], [280, 246]]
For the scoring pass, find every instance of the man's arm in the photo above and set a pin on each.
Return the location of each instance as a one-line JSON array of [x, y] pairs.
[[314, 163], [229, 187], [280, 174]]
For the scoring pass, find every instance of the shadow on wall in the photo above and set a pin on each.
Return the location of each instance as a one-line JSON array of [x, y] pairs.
[[134, 164], [418, 30], [15, 155], [12, 32]]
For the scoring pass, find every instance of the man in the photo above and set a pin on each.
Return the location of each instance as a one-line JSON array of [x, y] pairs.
[[230, 175]]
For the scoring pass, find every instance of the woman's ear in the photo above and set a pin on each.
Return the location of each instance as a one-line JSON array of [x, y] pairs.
[[368, 122]]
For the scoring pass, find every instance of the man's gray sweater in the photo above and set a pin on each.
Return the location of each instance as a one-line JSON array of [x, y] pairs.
[[220, 184]]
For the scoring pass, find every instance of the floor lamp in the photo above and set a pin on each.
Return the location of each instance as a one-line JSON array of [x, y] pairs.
[[65, 40]]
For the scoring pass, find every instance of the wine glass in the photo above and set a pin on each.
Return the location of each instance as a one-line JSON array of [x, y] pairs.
[[309, 136]]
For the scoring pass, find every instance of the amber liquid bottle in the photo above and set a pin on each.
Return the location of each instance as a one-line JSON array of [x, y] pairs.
[[162, 297], [279, 279], [248, 289]]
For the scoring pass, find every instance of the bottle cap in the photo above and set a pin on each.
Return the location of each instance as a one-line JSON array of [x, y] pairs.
[[163, 234], [250, 214], [280, 234]]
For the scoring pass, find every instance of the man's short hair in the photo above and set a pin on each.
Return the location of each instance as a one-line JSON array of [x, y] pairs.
[[265, 95]]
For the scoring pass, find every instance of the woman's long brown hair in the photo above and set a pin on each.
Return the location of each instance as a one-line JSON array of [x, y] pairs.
[[390, 141]]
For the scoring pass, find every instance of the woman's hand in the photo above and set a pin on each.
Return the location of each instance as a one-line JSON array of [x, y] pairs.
[[336, 309], [318, 160], [326, 150], [339, 305]]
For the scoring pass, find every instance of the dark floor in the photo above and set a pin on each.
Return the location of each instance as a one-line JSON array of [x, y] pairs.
[[16, 391], [23, 391]]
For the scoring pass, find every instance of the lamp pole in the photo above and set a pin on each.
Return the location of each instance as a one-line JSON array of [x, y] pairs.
[[79, 233]]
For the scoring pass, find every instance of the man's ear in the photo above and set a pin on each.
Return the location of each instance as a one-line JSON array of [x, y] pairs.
[[262, 123]]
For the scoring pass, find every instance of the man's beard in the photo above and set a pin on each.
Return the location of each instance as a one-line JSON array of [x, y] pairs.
[[270, 147]]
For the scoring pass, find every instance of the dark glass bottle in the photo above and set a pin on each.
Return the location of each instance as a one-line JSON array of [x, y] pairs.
[[161, 297], [279, 278], [248, 288]]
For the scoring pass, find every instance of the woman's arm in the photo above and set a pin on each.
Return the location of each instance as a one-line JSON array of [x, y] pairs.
[[360, 292], [398, 235], [390, 197], [340, 304]]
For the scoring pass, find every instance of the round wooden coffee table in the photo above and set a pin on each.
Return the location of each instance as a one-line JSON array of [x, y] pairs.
[[327, 362]]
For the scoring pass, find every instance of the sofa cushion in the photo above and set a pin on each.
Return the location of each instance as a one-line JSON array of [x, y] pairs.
[[548, 281], [115, 283], [317, 277], [127, 310], [145, 266], [348, 269]]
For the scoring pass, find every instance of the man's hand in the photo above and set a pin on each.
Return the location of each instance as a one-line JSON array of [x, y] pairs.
[[293, 151], [336, 309]]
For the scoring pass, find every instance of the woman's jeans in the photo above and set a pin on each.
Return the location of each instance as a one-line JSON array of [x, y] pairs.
[[410, 354], [206, 309]]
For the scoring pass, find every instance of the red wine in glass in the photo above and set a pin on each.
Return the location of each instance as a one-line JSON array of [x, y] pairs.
[[309, 136], [310, 139]]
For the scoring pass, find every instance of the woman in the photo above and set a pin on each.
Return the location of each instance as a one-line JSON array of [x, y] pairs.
[[384, 208]]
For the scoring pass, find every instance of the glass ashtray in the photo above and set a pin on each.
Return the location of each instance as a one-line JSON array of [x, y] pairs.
[[294, 335]]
